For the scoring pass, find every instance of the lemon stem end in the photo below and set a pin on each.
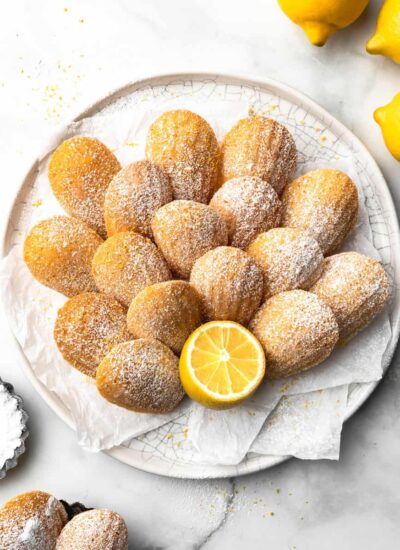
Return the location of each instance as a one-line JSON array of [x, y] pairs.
[[318, 33]]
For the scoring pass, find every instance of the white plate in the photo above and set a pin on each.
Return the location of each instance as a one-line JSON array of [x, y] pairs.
[[154, 452]]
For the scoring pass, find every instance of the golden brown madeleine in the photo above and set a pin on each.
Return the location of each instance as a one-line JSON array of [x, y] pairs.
[[133, 197], [184, 144], [87, 327], [230, 284], [31, 521], [290, 258], [297, 331], [126, 263], [184, 231], [80, 170], [59, 251], [168, 312], [98, 529], [142, 376], [249, 206], [258, 146], [356, 288], [325, 202]]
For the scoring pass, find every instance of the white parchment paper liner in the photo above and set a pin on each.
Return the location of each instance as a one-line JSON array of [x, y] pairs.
[[218, 437]]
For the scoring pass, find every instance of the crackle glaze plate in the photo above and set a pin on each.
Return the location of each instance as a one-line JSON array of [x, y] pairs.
[[165, 450]]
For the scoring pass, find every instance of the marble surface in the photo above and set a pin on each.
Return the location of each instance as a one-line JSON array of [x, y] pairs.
[[59, 56]]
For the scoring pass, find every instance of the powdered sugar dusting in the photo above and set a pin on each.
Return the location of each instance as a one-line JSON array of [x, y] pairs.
[[11, 425], [325, 202], [59, 251], [133, 197], [98, 529], [31, 528], [126, 263], [168, 312], [141, 375], [184, 231], [184, 144], [230, 284], [297, 330], [87, 328], [80, 171], [290, 258], [355, 287], [249, 206], [31, 521], [259, 146]]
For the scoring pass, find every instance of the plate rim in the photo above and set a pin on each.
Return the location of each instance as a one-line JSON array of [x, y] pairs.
[[121, 453]]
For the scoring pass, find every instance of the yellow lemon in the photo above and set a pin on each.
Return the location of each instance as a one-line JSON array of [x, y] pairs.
[[388, 117], [321, 18], [221, 364], [386, 40]]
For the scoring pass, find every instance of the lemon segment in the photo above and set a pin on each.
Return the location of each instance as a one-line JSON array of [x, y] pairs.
[[221, 364], [320, 19], [388, 117], [386, 40]]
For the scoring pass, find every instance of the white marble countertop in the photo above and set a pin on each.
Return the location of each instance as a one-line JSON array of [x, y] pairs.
[[57, 56]]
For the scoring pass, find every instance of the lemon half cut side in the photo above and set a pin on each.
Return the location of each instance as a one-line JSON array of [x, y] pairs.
[[222, 363]]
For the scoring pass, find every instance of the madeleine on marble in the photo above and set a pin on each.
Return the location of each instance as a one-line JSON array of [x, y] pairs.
[[230, 284], [97, 529], [258, 146], [356, 288], [249, 206], [133, 197], [184, 231], [290, 258], [31, 521], [325, 202], [184, 144]]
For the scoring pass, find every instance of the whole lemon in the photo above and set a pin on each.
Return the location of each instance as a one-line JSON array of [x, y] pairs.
[[319, 19], [388, 117], [386, 40]]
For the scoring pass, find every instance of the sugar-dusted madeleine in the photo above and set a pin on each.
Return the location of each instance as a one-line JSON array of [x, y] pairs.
[[356, 288], [31, 521], [258, 146], [59, 251], [168, 312], [184, 144], [133, 197], [184, 231], [325, 202], [230, 284], [80, 170], [87, 327], [289, 257], [297, 331], [249, 206], [126, 263], [142, 376], [97, 529]]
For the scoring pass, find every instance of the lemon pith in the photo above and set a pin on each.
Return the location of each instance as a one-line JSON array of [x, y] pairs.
[[221, 364], [321, 19], [386, 40], [388, 117]]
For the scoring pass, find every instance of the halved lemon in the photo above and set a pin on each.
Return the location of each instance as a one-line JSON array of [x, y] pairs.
[[221, 364]]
